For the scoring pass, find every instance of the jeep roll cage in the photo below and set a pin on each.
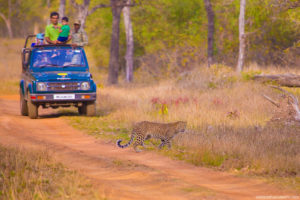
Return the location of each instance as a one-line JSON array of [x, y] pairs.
[[43, 45], [27, 50]]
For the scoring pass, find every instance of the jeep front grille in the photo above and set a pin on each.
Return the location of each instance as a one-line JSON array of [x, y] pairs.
[[63, 86]]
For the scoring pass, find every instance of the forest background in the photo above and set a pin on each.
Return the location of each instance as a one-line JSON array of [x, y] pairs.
[[170, 36], [231, 125]]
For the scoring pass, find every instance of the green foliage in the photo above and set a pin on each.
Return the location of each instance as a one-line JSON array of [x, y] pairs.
[[249, 75], [273, 29], [23, 16], [163, 28], [99, 32], [208, 158], [211, 85]]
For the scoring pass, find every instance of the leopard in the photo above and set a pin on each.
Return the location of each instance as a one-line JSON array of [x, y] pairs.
[[145, 130]]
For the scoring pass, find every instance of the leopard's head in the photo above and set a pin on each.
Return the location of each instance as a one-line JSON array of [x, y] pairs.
[[181, 126]]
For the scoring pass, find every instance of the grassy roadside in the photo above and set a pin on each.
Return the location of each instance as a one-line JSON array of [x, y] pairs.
[[227, 116], [10, 65], [227, 119], [26, 174]]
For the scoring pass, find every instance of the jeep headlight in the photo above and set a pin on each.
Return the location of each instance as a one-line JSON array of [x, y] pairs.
[[85, 85], [40, 86]]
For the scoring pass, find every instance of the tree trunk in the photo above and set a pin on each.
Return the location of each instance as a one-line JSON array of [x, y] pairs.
[[7, 19], [36, 28], [62, 8], [82, 14], [48, 3], [210, 32], [241, 58], [114, 45], [83, 10], [129, 43], [9, 29], [8, 25]]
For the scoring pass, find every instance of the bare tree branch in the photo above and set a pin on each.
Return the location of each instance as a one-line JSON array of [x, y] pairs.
[[271, 100], [124, 3], [295, 103], [3, 16], [8, 24], [128, 5], [98, 6], [76, 5], [286, 92], [284, 5]]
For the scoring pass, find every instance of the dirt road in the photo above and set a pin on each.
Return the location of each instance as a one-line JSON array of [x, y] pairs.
[[122, 173]]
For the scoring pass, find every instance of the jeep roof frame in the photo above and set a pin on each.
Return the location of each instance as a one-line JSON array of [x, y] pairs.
[[45, 45]]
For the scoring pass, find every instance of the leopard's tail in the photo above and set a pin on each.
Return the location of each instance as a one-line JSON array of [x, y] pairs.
[[126, 145]]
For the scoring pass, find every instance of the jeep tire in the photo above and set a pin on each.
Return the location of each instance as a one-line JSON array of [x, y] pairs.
[[91, 109], [32, 108], [23, 105]]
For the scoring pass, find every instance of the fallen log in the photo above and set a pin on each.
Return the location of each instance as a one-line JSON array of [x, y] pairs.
[[292, 110], [287, 80]]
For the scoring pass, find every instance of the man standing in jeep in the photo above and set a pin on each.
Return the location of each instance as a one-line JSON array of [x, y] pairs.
[[52, 30], [79, 36]]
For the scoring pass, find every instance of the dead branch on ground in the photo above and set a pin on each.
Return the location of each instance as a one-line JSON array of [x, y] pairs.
[[290, 111], [288, 80]]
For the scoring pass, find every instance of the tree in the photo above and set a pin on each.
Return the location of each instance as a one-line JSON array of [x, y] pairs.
[[62, 8], [129, 43], [210, 31], [6, 16], [113, 69], [241, 58], [84, 11]]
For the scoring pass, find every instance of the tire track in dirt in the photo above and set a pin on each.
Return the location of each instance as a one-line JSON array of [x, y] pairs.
[[119, 173]]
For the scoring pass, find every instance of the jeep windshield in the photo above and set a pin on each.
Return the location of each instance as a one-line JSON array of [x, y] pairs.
[[58, 59]]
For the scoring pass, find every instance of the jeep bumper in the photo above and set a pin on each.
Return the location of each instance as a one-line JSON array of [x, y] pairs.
[[62, 97]]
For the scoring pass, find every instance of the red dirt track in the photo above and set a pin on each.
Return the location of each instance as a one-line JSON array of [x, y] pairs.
[[122, 173]]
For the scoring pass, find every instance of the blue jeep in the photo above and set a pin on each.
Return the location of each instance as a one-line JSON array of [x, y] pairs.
[[56, 76]]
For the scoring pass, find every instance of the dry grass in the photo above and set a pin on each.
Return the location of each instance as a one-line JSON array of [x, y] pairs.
[[227, 116], [28, 175], [227, 120], [10, 65]]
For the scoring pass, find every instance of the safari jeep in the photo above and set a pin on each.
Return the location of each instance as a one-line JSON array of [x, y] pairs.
[[56, 76]]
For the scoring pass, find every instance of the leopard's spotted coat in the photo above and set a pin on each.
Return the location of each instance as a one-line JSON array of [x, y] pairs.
[[145, 130]]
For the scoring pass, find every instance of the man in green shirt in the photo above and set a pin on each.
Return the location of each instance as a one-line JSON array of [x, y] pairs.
[[52, 30]]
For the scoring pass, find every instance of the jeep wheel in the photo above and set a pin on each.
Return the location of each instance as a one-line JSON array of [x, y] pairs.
[[32, 108], [23, 105], [82, 110], [91, 109]]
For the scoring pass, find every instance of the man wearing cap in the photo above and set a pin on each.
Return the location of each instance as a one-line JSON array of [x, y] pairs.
[[79, 36]]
